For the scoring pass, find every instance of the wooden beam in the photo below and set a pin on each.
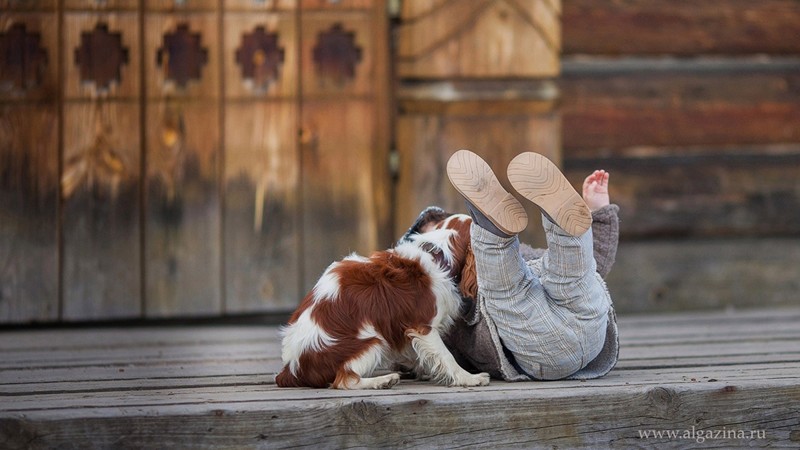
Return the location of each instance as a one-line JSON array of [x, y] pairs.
[[667, 275], [681, 27], [701, 191], [609, 106]]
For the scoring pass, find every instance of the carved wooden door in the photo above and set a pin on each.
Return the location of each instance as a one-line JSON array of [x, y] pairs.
[[186, 158]]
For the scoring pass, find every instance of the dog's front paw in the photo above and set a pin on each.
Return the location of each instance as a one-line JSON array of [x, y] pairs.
[[387, 381], [470, 380]]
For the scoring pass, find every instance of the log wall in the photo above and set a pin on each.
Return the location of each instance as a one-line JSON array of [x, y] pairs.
[[694, 107]]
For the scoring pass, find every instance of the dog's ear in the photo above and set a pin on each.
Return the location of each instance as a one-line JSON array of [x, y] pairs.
[[431, 214], [469, 276]]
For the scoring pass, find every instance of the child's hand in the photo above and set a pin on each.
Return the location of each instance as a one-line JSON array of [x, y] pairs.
[[595, 190]]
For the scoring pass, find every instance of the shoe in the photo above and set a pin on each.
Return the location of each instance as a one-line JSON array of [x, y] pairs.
[[473, 178], [540, 181]]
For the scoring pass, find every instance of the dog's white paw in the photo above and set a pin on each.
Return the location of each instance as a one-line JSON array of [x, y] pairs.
[[386, 381], [470, 380]]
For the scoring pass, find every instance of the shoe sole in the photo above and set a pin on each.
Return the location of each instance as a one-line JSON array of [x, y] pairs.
[[473, 178], [539, 180]]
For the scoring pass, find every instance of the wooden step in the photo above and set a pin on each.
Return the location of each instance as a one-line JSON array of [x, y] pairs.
[[698, 375]]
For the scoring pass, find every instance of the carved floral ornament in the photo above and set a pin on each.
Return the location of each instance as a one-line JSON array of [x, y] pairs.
[[260, 57], [336, 55], [182, 56], [101, 55], [22, 60]]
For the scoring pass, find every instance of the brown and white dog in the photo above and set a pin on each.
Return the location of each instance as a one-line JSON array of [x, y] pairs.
[[388, 309]]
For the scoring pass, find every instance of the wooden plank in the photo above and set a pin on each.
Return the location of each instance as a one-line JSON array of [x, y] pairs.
[[683, 27], [426, 141], [233, 403], [676, 104], [667, 275], [274, 5], [344, 137], [578, 420], [28, 213], [693, 350], [122, 372], [33, 359], [182, 225], [260, 389], [183, 235], [478, 39], [133, 337], [101, 219], [733, 191], [262, 178], [194, 382], [309, 5], [262, 161], [101, 166], [106, 4], [42, 5], [730, 316], [258, 379], [787, 331], [338, 196], [176, 6]]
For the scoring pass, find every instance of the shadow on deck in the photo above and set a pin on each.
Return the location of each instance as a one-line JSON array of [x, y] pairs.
[[723, 379]]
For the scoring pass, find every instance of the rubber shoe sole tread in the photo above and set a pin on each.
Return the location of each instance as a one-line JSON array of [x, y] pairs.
[[539, 180], [472, 177]]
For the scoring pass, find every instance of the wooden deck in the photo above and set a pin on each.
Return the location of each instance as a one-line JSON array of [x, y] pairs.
[[728, 374]]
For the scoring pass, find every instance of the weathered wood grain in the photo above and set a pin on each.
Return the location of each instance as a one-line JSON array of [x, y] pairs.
[[182, 225], [703, 191], [262, 167], [101, 211], [608, 107], [28, 213], [339, 214], [684, 27], [107, 4], [580, 418], [478, 39], [197, 335], [344, 136], [679, 275], [262, 200], [41, 5], [750, 384], [309, 5], [175, 6], [249, 5]]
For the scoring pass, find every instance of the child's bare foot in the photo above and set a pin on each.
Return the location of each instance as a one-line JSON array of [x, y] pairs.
[[595, 190]]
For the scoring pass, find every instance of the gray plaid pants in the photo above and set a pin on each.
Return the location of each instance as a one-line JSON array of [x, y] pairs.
[[551, 313]]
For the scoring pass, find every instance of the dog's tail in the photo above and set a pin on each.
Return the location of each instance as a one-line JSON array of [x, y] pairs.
[[287, 379]]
